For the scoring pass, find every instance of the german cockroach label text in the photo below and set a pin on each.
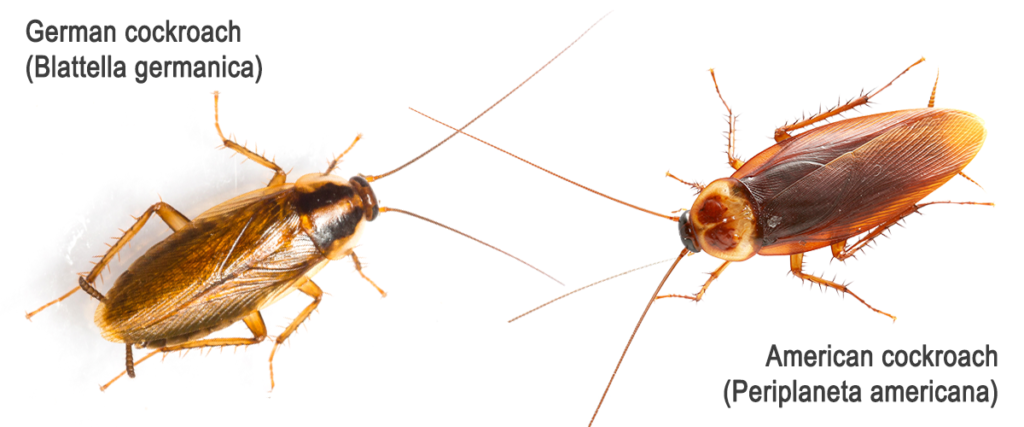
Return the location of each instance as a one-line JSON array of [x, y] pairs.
[[104, 66]]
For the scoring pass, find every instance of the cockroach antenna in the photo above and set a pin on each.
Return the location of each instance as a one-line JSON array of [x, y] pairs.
[[372, 178], [588, 286], [420, 217]]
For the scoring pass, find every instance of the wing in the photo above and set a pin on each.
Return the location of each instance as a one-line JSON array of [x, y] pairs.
[[839, 180], [211, 274]]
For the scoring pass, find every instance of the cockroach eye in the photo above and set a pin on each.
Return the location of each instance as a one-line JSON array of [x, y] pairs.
[[686, 233]]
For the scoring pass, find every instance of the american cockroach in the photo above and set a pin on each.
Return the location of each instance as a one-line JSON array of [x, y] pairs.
[[848, 179], [241, 256]]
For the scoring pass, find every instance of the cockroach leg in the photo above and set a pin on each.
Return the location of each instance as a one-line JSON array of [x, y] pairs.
[[171, 216], [796, 263], [359, 268], [62, 298], [696, 185], [696, 297], [846, 252], [837, 249], [279, 174], [782, 133], [308, 288], [734, 161], [259, 332], [143, 359], [877, 231], [254, 321], [334, 163]]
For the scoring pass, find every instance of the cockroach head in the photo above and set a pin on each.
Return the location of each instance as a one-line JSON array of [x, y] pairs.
[[686, 233], [723, 222], [362, 186]]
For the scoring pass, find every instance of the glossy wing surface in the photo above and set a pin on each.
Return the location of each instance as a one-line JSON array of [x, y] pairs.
[[778, 167], [210, 274], [840, 180], [233, 204]]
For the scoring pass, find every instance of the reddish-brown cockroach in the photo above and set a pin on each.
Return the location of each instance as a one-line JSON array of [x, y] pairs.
[[239, 257], [849, 178]]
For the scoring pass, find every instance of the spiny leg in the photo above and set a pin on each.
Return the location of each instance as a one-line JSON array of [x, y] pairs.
[[848, 251], [171, 217], [696, 297], [734, 161], [696, 185], [254, 321], [337, 160], [359, 268], [279, 175], [796, 264], [308, 288], [782, 133]]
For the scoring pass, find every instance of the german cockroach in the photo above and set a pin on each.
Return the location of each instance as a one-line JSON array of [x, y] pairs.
[[234, 260], [239, 257], [820, 188]]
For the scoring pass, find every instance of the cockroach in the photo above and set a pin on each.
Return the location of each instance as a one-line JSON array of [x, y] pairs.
[[820, 188], [241, 256]]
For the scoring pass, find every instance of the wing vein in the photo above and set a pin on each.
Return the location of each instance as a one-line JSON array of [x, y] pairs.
[[220, 269]]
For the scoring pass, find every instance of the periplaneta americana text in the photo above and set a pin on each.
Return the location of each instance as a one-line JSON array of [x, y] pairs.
[[849, 178], [240, 256]]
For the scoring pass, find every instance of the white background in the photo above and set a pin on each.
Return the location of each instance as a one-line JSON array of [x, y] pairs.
[[630, 101]]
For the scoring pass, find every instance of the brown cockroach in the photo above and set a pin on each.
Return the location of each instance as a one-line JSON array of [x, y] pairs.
[[234, 260], [241, 256], [820, 188]]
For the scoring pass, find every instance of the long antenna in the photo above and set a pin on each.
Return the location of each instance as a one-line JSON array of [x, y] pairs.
[[653, 297], [385, 209], [376, 177], [585, 287], [670, 218]]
